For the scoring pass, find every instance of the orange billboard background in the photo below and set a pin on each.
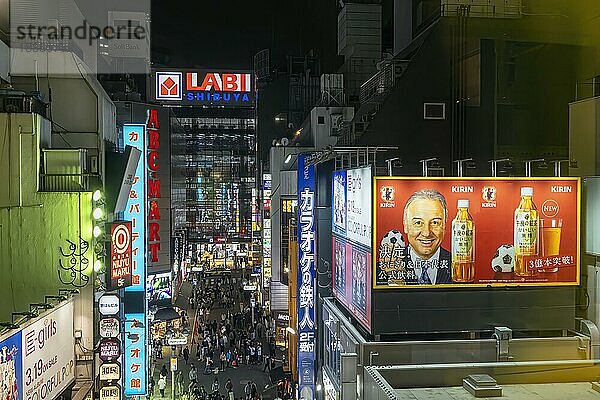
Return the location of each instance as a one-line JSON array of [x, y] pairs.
[[492, 204]]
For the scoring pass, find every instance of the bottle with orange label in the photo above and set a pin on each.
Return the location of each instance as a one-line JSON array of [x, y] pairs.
[[463, 245], [526, 230]]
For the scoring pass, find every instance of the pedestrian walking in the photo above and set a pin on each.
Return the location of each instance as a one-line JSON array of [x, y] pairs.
[[253, 390], [215, 386], [179, 382], [193, 375], [248, 390], [164, 371], [186, 355], [162, 384], [223, 359], [267, 363], [229, 386]]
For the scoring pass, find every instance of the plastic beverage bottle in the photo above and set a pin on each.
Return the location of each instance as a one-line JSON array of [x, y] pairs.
[[463, 245], [526, 228]]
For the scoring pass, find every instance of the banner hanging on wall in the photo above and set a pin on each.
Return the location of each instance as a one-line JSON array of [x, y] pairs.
[[476, 232], [49, 354]]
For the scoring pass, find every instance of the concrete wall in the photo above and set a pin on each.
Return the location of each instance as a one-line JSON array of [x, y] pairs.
[[34, 226], [584, 136]]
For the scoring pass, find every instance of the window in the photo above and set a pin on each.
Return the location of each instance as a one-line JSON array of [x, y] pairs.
[[434, 110]]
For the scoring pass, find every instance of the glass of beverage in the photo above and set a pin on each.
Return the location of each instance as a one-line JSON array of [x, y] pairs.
[[550, 238]]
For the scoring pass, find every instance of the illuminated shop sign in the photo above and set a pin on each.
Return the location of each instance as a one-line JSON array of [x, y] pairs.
[[152, 128], [306, 278], [120, 255], [134, 350], [204, 87], [135, 355], [135, 211]]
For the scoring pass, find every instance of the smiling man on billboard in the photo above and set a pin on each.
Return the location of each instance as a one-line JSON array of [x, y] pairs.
[[425, 215]]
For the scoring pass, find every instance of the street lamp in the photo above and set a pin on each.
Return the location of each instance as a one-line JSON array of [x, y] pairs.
[[425, 165], [461, 164], [495, 165], [528, 164]]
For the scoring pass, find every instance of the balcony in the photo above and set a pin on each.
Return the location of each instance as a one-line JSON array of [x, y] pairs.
[[66, 170]]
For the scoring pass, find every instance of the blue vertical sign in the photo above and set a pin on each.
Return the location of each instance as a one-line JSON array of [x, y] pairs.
[[134, 354], [306, 279]]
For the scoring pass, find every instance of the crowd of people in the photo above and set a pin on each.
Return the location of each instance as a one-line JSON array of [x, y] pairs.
[[225, 335]]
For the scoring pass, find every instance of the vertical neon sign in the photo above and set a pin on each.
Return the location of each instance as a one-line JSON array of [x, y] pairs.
[[306, 278], [134, 354]]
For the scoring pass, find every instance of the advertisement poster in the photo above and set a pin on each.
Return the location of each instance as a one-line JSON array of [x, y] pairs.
[[358, 206], [11, 368], [159, 289], [49, 354], [306, 278], [339, 203], [352, 279], [352, 227], [476, 232]]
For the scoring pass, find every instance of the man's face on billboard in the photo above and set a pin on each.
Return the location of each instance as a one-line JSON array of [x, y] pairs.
[[425, 226]]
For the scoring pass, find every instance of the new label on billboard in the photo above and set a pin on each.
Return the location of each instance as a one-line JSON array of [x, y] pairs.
[[306, 278], [204, 87], [476, 232], [120, 255], [11, 368], [49, 354]]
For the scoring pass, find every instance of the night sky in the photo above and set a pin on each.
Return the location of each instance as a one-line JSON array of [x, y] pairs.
[[227, 33]]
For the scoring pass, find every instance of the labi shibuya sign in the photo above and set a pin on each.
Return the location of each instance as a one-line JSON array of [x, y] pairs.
[[204, 87]]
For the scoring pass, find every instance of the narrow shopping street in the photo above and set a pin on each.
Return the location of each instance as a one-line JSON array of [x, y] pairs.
[[228, 314]]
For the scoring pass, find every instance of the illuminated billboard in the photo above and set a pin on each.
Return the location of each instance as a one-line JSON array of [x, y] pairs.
[[134, 350], [352, 230], [223, 88], [306, 293], [476, 232], [120, 255]]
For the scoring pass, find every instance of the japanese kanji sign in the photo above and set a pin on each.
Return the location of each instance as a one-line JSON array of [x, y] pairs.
[[306, 278]]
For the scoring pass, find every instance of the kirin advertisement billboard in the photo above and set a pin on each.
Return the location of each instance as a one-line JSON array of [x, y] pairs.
[[476, 232]]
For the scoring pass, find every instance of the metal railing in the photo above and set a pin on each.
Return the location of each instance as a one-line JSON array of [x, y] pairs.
[[482, 8], [67, 182]]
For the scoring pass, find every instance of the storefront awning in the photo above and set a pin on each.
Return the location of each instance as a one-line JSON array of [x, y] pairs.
[[166, 314]]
